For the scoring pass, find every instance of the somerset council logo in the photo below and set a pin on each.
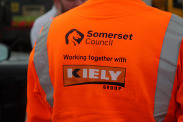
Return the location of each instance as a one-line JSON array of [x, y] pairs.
[[74, 36]]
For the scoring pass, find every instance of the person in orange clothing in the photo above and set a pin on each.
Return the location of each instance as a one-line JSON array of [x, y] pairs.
[[108, 61]]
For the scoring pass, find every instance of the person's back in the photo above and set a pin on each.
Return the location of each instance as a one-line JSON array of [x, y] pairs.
[[114, 61]]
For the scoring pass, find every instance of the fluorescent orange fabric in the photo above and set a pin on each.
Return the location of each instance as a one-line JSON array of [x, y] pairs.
[[110, 74], [37, 110]]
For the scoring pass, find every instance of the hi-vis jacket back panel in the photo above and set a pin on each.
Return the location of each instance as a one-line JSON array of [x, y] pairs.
[[108, 61]]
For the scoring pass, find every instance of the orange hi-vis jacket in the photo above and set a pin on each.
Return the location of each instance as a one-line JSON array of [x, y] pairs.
[[108, 61]]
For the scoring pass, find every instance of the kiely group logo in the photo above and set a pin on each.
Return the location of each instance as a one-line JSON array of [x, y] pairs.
[[86, 74], [74, 36]]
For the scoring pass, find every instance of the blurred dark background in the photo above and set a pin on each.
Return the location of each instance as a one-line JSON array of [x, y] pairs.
[[16, 20]]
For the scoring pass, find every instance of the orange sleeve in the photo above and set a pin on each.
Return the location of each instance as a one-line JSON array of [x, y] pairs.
[[179, 97], [37, 109]]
